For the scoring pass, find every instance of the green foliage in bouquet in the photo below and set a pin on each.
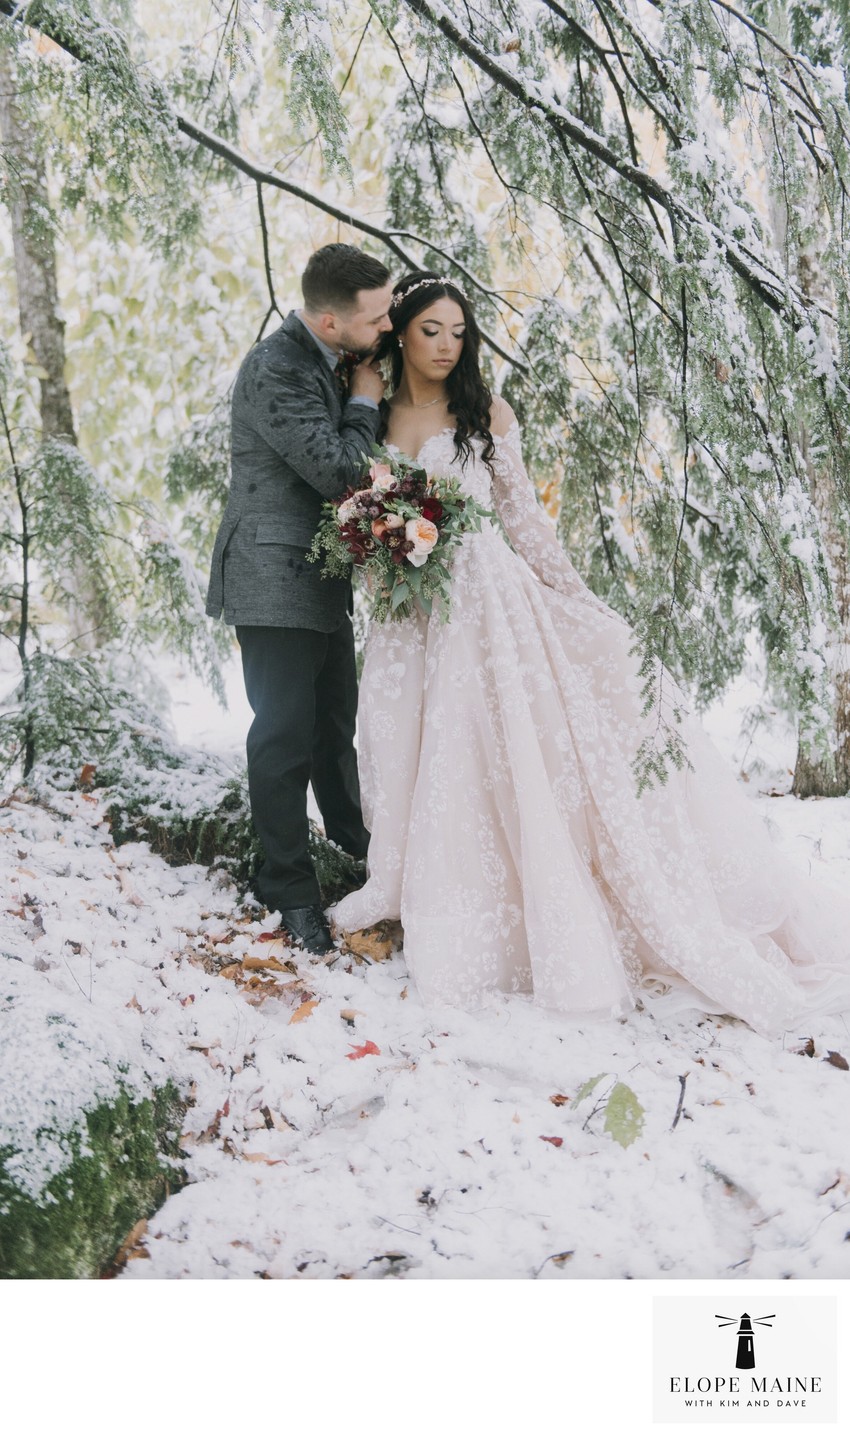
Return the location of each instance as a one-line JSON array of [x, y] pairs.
[[400, 531]]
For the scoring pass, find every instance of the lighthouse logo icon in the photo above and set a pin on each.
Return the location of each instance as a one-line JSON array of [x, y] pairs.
[[746, 1357]]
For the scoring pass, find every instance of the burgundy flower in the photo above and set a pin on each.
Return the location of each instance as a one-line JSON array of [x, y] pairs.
[[432, 509]]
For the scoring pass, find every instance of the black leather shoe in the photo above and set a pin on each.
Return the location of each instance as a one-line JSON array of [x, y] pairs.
[[309, 927]]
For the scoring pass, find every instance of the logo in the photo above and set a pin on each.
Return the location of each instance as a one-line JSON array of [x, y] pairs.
[[781, 1367], [746, 1358]]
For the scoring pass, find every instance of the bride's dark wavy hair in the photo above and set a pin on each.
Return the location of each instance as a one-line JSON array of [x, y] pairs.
[[470, 400]]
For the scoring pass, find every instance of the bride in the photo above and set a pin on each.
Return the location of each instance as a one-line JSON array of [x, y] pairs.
[[496, 756]]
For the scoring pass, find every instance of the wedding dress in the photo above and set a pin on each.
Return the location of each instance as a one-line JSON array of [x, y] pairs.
[[495, 757]]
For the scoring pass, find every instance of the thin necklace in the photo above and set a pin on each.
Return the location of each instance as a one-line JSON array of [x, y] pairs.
[[400, 403]]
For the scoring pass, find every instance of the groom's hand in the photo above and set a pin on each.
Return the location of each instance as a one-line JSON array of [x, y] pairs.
[[366, 381]]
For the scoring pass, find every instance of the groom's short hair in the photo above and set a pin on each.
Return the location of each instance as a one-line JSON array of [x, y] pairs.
[[334, 276]]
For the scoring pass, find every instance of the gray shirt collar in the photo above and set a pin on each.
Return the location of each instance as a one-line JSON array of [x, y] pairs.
[[330, 355]]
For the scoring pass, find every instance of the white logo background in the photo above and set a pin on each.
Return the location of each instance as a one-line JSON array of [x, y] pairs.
[[688, 1342]]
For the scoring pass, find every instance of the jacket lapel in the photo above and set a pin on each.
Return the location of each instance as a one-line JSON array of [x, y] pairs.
[[295, 331]]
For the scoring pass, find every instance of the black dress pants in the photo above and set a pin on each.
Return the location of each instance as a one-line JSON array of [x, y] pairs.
[[302, 687]]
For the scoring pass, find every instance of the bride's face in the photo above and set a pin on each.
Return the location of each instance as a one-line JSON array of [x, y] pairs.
[[433, 340]]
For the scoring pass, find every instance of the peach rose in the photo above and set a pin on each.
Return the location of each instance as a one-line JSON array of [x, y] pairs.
[[423, 535], [379, 527]]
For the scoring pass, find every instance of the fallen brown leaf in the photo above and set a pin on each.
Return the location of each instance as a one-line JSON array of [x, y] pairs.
[[807, 1049], [87, 773], [261, 1157], [373, 944], [304, 1010], [556, 1141], [254, 964], [558, 1099], [835, 1059]]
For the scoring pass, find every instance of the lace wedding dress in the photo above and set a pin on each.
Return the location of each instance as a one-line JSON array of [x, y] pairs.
[[496, 757]]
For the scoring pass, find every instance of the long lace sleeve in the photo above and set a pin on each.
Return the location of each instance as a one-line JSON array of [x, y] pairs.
[[529, 527]]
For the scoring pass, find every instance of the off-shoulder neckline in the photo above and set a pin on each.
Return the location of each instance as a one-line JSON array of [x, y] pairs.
[[449, 429]]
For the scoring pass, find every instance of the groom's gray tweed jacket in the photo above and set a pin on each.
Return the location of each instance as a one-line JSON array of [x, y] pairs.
[[293, 445]]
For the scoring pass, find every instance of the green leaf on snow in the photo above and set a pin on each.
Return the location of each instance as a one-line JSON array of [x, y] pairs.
[[623, 1115], [587, 1087]]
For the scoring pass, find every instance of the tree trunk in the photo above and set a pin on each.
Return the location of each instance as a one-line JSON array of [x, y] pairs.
[[814, 774], [35, 258], [38, 305]]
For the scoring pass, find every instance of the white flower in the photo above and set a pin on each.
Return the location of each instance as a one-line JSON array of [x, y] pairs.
[[349, 508]]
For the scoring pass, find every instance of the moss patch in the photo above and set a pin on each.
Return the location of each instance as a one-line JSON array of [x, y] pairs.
[[123, 1167]]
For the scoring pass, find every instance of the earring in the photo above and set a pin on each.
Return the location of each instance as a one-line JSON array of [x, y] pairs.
[[400, 342]]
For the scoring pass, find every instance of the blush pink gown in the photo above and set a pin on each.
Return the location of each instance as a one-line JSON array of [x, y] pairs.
[[496, 755]]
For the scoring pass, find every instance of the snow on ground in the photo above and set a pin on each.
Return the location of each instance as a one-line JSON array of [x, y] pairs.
[[339, 1129]]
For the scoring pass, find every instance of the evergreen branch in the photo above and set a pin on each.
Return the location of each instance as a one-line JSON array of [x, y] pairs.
[[386, 236], [770, 289], [21, 12], [655, 61], [273, 308], [350, 71], [798, 61], [638, 89], [426, 118]]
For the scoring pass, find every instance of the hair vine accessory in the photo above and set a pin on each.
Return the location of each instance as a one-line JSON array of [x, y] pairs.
[[441, 279]]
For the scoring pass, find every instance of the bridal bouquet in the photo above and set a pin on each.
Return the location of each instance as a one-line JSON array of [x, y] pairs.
[[400, 531]]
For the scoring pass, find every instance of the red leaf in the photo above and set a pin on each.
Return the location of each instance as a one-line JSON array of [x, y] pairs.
[[271, 936], [556, 1141], [368, 1049], [87, 773]]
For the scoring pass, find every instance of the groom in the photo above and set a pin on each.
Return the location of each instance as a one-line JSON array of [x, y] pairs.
[[300, 426]]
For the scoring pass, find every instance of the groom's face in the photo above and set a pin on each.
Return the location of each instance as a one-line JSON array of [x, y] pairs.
[[359, 330]]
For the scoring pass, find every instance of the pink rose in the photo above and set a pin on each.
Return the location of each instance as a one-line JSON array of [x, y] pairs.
[[381, 476]]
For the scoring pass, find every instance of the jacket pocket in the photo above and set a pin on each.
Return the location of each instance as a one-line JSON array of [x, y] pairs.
[[296, 533]]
